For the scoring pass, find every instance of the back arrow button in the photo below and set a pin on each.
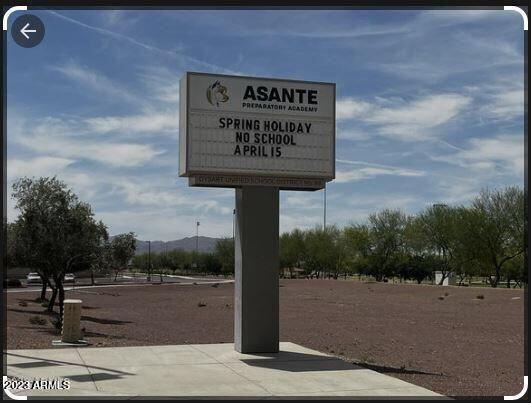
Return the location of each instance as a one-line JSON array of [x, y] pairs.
[[24, 31], [27, 30]]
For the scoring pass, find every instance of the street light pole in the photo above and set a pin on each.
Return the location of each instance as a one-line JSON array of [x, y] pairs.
[[149, 261], [324, 209], [233, 222], [197, 238]]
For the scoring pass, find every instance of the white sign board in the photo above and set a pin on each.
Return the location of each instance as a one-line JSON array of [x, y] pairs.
[[238, 131]]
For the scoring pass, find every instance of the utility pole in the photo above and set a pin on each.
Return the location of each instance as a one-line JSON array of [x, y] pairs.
[[149, 261], [233, 222], [324, 209], [197, 238]]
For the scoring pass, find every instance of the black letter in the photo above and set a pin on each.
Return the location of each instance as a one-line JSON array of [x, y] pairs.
[[312, 97], [249, 93], [262, 93], [288, 95]]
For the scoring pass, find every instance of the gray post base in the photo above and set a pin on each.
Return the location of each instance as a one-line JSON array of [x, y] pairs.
[[256, 328]]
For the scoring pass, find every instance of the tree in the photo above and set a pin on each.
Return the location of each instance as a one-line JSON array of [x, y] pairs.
[[19, 253], [57, 230], [224, 252], [322, 254], [387, 230], [495, 228], [358, 247], [122, 250], [101, 259], [292, 250], [436, 228], [210, 263]]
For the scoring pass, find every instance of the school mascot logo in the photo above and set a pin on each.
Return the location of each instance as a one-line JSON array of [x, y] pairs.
[[217, 93]]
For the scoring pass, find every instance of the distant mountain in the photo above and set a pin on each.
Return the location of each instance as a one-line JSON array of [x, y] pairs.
[[205, 244]]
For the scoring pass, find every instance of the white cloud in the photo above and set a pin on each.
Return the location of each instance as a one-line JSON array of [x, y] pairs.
[[155, 123], [161, 83], [502, 154], [71, 139], [38, 166], [174, 53], [351, 108], [306, 200], [411, 121], [95, 81], [352, 134], [109, 153], [344, 176], [164, 224], [506, 105]]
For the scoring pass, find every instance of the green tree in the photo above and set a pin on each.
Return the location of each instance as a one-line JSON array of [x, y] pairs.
[[58, 231], [494, 226], [224, 252], [436, 229], [122, 250], [292, 250], [387, 232], [100, 261], [322, 254], [358, 247]]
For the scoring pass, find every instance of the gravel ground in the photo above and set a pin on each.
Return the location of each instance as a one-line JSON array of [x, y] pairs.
[[445, 339]]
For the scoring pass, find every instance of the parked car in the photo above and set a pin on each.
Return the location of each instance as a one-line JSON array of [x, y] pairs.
[[33, 278], [69, 278]]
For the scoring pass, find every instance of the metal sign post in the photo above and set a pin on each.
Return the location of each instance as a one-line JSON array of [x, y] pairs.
[[259, 136], [256, 328]]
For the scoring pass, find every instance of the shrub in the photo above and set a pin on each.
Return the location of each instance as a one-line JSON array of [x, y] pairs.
[[441, 298], [57, 323], [201, 304], [37, 320], [480, 296], [22, 303], [12, 282]]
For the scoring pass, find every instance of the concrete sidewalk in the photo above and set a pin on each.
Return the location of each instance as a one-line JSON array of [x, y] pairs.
[[201, 370]]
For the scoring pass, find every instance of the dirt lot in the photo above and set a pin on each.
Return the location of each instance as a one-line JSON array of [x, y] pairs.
[[443, 338]]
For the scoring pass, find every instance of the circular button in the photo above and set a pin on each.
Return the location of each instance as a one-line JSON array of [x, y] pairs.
[[27, 30]]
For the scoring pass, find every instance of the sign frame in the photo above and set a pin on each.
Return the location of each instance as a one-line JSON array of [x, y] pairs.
[[231, 178]]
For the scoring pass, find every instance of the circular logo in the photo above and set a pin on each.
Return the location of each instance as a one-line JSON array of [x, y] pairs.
[[217, 93], [27, 30]]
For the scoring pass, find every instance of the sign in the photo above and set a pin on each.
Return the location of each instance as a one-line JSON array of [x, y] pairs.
[[237, 131]]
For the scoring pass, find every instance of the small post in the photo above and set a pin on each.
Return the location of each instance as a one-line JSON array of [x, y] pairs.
[[71, 321], [71, 332], [256, 308]]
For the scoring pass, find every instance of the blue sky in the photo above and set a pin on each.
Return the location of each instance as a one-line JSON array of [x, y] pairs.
[[430, 107]]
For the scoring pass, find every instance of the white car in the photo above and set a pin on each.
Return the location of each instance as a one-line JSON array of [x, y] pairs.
[[33, 278], [69, 278]]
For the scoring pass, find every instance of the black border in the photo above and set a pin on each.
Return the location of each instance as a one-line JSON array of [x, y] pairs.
[[241, 4]]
